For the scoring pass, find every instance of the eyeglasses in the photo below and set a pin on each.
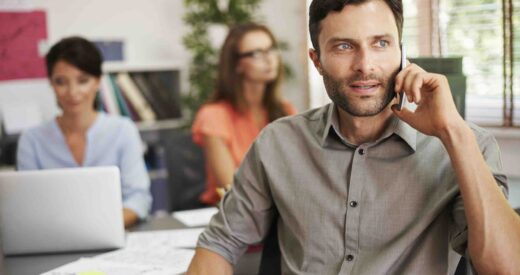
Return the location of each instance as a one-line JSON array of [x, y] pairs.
[[259, 53]]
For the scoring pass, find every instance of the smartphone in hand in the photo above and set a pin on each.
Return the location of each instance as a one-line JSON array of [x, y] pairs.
[[402, 95]]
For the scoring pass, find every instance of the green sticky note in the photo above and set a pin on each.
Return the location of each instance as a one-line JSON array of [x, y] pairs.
[[91, 273]]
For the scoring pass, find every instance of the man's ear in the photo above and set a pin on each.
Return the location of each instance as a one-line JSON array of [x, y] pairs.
[[315, 57]]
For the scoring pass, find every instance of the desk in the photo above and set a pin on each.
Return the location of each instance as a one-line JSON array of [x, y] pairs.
[[36, 264]]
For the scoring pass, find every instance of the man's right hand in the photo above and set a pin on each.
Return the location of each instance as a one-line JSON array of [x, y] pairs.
[[208, 262]]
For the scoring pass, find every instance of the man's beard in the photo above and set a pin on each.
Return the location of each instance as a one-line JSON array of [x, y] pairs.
[[336, 87]]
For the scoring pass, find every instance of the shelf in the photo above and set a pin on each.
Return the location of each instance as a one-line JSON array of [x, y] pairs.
[[116, 67]]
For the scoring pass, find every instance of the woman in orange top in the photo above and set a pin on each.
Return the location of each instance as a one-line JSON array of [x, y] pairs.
[[245, 100]]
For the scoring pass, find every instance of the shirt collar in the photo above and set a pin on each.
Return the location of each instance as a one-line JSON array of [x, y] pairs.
[[396, 126]]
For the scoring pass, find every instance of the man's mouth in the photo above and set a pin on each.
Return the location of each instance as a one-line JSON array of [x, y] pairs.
[[367, 84], [364, 86]]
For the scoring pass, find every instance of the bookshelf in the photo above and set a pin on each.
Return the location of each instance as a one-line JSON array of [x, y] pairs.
[[148, 94]]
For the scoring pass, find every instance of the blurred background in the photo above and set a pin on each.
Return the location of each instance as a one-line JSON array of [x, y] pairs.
[[476, 43]]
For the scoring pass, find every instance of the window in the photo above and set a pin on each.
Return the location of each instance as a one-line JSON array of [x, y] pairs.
[[410, 28], [516, 61], [474, 29]]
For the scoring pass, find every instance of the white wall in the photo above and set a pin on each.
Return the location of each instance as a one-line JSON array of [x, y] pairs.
[[152, 31]]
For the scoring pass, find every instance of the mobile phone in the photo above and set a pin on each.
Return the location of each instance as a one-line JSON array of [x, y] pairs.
[[402, 95]]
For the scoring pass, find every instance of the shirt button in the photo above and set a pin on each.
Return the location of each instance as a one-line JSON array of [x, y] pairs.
[[349, 258], [361, 151], [353, 203]]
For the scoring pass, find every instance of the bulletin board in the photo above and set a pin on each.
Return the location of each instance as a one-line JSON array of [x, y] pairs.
[[21, 36]]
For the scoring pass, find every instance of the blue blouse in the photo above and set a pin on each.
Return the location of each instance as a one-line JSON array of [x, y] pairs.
[[111, 141]]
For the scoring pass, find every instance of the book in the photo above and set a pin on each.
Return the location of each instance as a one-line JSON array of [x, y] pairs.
[[150, 95], [121, 103], [167, 89], [107, 96], [135, 97], [133, 113]]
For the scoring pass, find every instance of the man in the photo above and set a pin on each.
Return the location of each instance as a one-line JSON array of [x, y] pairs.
[[358, 187]]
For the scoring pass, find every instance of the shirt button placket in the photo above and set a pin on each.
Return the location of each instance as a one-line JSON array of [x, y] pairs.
[[357, 178]]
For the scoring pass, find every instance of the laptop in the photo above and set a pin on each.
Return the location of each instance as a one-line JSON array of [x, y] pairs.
[[61, 210]]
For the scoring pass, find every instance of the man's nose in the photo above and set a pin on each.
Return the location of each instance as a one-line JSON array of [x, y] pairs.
[[364, 61]]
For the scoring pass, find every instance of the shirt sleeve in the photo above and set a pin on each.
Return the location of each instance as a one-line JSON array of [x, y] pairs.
[[135, 183], [26, 153], [211, 120], [246, 211], [459, 230]]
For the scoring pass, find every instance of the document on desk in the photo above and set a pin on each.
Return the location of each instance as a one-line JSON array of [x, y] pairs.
[[175, 260], [153, 240], [197, 217], [102, 267], [145, 253], [170, 249]]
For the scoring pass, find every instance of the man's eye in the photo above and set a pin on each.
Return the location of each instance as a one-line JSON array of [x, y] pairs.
[[344, 46], [382, 43]]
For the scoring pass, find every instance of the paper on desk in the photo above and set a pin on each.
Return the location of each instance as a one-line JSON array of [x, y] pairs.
[[146, 253], [197, 217], [152, 240], [100, 266], [176, 260]]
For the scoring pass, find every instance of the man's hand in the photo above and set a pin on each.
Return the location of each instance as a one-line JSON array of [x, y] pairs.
[[436, 113], [493, 226]]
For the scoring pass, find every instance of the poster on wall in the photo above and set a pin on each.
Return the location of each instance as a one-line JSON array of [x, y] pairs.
[[22, 34]]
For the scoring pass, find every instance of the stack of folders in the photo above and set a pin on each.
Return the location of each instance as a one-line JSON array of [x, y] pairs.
[[141, 96]]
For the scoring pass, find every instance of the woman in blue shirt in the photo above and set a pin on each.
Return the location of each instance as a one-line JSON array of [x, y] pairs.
[[81, 136]]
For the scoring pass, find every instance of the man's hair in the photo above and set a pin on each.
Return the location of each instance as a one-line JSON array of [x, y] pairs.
[[319, 9]]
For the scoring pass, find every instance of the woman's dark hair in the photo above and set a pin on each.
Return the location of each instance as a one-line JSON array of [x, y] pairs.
[[229, 82], [319, 9], [78, 52]]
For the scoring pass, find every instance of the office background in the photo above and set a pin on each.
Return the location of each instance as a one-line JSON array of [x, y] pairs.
[[152, 32]]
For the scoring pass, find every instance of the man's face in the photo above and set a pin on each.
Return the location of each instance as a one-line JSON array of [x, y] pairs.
[[359, 57]]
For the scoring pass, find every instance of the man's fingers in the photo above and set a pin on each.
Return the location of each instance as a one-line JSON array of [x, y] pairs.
[[415, 87], [408, 87], [399, 79], [410, 80], [405, 114]]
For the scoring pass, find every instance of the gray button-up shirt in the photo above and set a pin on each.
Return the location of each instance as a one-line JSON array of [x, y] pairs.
[[389, 206]]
